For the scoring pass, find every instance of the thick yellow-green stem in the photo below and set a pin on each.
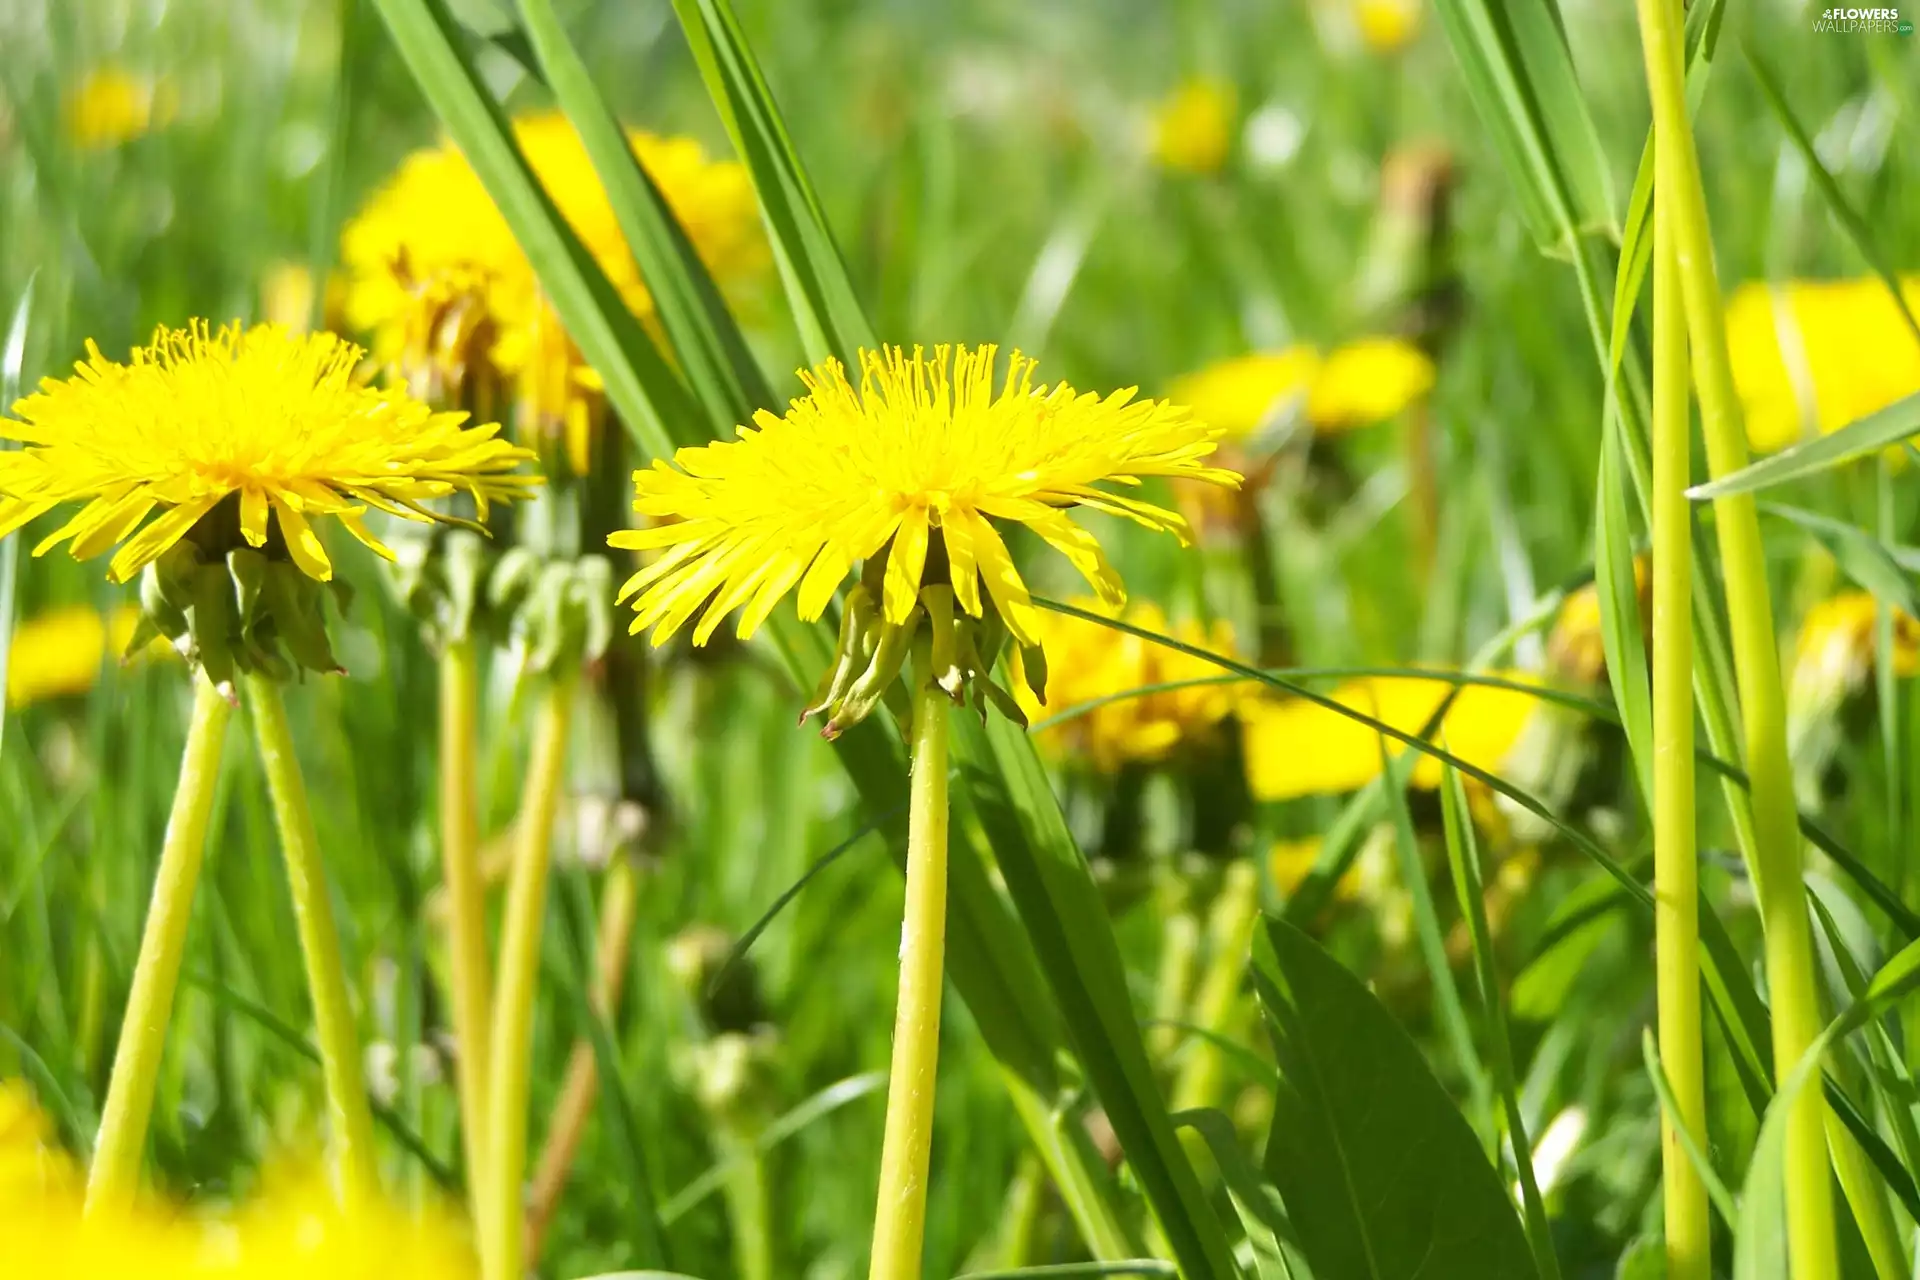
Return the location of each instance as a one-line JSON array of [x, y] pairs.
[[350, 1118], [1778, 855], [1675, 870], [512, 1049], [115, 1174], [466, 901], [900, 1217]]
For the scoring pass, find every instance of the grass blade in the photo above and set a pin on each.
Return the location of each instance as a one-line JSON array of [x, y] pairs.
[[1622, 629], [1898, 421], [1861, 556], [1716, 1189], [642, 388], [1463, 855]]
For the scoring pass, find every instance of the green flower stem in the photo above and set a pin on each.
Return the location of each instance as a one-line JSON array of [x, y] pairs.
[[1778, 856], [115, 1174], [746, 1194], [1229, 940], [1676, 873], [900, 1218], [501, 1216], [466, 901], [350, 1119]]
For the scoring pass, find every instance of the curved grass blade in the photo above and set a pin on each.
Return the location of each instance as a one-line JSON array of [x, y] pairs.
[[13, 360], [1898, 421], [1861, 555], [1253, 1197], [1463, 855], [576, 913], [792, 891], [831, 321], [708, 346], [385, 1116], [823, 1103], [642, 388], [77, 1129], [1716, 1189], [1622, 629], [1838, 205]]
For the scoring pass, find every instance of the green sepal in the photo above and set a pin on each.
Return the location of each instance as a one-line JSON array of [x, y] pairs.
[[297, 613]]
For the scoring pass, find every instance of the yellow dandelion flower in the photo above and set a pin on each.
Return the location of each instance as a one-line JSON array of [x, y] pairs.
[[1193, 127], [1387, 26], [1291, 861], [1833, 663], [275, 422], [1576, 649], [1368, 381], [1086, 662], [1239, 394], [286, 298], [111, 105], [1297, 748], [296, 1228], [923, 444], [1363, 382], [1811, 356], [58, 654], [439, 282]]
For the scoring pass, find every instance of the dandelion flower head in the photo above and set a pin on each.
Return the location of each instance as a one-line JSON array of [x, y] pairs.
[[1363, 382], [1811, 356], [438, 280], [923, 459], [58, 653], [111, 105], [1387, 26], [1193, 127], [1299, 748], [1087, 662], [276, 422], [1836, 648]]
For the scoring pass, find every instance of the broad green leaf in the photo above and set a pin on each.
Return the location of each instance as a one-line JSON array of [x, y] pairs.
[[1521, 78], [1876, 431], [1381, 1176]]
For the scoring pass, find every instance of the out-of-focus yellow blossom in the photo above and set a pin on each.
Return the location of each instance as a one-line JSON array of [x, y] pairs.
[[1363, 382], [111, 105], [1086, 661], [1367, 381], [453, 306], [295, 1228], [1297, 748], [1811, 356], [58, 654], [1193, 127], [1387, 26], [1576, 649], [1291, 861], [1833, 660]]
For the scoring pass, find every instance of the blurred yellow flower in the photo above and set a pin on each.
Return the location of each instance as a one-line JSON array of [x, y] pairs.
[[1296, 748], [294, 1228], [274, 425], [924, 444], [58, 654], [111, 105], [1193, 127], [1811, 356], [1833, 663], [1086, 662], [452, 304], [1387, 26], [1290, 861], [1367, 381], [1576, 648], [1363, 382]]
